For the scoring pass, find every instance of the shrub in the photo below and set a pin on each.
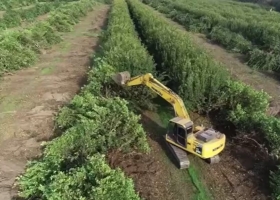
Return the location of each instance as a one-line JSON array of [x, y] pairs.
[[206, 85], [230, 27], [123, 50], [94, 180], [71, 166], [20, 48], [13, 18], [194, 75]]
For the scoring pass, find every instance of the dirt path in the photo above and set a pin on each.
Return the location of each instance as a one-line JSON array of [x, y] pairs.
[[30, 98]]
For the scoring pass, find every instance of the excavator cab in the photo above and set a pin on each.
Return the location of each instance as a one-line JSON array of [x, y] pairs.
[[182, 136], [179, 129]]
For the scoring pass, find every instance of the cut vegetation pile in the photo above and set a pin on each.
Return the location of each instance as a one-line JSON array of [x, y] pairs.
[[249, 30], [20, 48]]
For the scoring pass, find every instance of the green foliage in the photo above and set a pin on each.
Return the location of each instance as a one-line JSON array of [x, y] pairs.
[[237, 27], [232, 41], [275, 182], [194, 75], [69, 14], [246, 109], [20, 48], [205, 85], [9, 4], [123, 50], [250, 100], [13, 18], [93, 123], [94, 180]]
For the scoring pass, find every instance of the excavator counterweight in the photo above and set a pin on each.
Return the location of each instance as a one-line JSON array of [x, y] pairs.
[[182, 136]]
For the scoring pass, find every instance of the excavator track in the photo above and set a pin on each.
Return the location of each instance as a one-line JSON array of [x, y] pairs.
[[181, 156]]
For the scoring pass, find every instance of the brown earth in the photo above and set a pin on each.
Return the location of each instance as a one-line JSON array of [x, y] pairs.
[[155, 176], [237, 177], [30, 98], [145, 170]]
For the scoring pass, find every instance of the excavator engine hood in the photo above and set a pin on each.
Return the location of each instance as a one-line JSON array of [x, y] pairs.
[[121, 78]]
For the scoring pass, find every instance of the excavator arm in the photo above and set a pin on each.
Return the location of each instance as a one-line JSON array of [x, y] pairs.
[[148, 80]]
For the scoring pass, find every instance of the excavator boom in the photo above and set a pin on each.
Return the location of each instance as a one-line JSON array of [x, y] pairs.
[[124, 78]]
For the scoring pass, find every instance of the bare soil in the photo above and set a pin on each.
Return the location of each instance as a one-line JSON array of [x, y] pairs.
[[30, 98], [238, 176], [155, 175], [145, 170]]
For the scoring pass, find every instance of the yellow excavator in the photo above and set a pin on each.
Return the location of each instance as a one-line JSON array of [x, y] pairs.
[[182, 136]]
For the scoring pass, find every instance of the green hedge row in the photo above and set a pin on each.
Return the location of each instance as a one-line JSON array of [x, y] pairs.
[[123, 50], [194, 75], [13, 18], [94, 123], [20, 48], [258, 41], [202, 83], [9, 4]]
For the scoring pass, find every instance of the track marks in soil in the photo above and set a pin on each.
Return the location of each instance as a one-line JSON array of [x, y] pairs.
[[30, 98]]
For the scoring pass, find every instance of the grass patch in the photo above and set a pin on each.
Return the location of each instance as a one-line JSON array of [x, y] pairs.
[[47, 70], [92, 34], [202, 191], [65, 47], [193, 174], [9, 104]]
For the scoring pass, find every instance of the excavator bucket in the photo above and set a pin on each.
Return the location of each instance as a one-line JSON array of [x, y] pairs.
[[121, 78]]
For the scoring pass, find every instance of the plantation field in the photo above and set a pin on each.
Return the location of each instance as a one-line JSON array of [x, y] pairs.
[[87, 138]]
